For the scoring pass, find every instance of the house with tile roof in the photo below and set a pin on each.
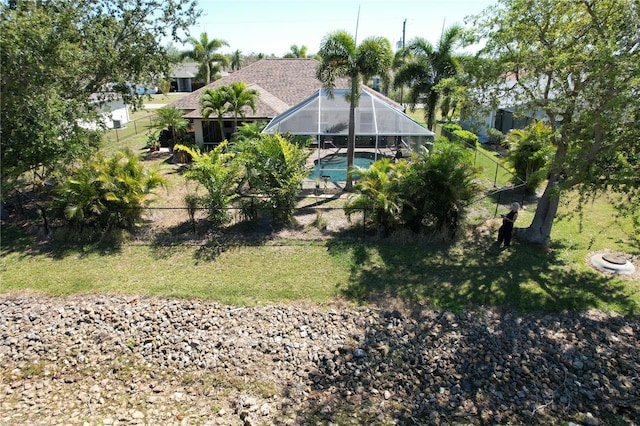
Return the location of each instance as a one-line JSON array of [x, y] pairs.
[[281, 84]]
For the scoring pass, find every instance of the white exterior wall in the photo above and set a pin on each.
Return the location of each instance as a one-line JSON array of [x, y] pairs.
[[199, 135], [115, 110]]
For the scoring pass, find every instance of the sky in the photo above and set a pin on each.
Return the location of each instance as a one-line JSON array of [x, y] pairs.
[[273, 26]]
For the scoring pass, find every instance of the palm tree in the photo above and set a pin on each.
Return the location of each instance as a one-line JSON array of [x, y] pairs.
[[236, 60], [240, 96], [422, 68], [530, 152], [340, 57], [171, 119], [219, 174], [250, 131], [203, 52], [214, 101]]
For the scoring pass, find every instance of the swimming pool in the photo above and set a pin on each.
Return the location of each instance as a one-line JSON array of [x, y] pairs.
[[335, 165]]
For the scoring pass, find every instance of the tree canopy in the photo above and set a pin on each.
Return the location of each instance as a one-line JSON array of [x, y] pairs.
[[62, 59], [576, 63]]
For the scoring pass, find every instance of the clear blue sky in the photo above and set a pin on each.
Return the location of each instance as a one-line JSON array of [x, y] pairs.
[[272, 26]]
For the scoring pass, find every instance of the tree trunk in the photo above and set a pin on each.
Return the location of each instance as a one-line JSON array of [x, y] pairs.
[[539, 232], [351, 142]]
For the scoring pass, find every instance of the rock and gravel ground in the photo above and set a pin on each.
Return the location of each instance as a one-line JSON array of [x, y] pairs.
[[120, 360]]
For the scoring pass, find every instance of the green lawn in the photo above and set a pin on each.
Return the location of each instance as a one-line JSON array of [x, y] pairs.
[[473, 271]]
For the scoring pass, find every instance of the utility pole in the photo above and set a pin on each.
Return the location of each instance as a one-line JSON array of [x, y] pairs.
[[404, 26]]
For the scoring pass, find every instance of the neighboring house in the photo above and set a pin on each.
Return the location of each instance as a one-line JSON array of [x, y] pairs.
[[281, 83], [183, 77], [113, 111], [508, 116]]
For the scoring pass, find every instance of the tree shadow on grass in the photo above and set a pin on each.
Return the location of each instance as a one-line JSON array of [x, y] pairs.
[[525, 277], [62, 242], [210, 241]]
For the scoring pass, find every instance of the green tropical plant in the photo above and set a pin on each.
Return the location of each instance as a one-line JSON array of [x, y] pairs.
[[455, 97], [219, 174], [106, 192], [340, 57], [204, 52], [236, 60], [170, 118], [377, 194], [274, 168], [249, 131], [422, 67], [530, 152], [214, 101], [437, 187], [239, 97], [297, 52]]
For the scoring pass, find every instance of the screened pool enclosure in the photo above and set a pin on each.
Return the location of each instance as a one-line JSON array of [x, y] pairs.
[[379, 123]]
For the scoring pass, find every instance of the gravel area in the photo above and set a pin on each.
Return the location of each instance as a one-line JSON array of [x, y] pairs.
[[120, 360]]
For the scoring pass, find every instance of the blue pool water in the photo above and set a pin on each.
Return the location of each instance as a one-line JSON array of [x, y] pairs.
[[335, 165]]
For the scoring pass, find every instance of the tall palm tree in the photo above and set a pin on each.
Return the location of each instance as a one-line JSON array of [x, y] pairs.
[[422, 68], [236, 60], [204, 52], [214, 101], [240, 96], [340, 57]]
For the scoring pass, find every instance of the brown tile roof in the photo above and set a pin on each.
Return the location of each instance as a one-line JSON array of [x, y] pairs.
[[282, 83]]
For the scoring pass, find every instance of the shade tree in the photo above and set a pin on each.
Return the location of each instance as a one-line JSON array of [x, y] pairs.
[[576, 63], [79, 55]]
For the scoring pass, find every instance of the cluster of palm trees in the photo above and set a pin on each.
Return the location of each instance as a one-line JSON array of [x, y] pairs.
[[228, 99]]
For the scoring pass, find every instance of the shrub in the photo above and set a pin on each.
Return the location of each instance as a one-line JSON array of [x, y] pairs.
[[377, 192], [218, 174], [530, 151], [274, 168], [451, 127], [495, 137], [437, 187], [466, 136], [106, 192]]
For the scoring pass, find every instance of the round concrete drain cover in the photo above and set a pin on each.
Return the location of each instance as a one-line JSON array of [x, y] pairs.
[[616, 259], [612, 263]]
